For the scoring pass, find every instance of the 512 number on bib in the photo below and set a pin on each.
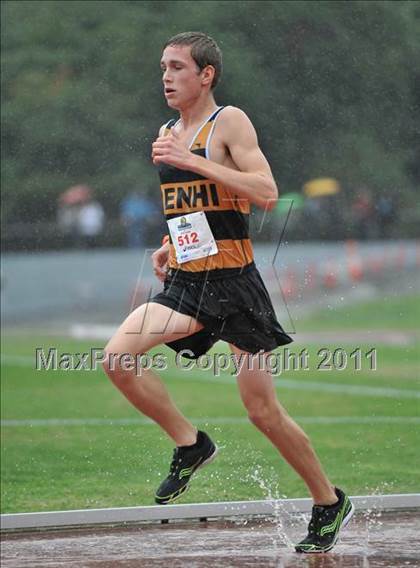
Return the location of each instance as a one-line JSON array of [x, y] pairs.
[[187, 238]]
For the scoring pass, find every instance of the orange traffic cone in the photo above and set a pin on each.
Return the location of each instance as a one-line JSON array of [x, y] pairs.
[[354, 262], [330, 275]]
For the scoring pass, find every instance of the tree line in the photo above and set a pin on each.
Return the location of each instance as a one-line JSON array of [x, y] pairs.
[[332, 87]]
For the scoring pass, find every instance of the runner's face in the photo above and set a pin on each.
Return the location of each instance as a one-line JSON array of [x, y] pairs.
[[182, 79]]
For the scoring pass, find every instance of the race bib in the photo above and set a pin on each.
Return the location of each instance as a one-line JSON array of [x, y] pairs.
[[192, 237]]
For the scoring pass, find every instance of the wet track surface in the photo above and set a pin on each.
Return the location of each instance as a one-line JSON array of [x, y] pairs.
[[371, 540]]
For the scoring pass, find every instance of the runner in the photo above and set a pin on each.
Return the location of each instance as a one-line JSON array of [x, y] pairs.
[[211, 170]]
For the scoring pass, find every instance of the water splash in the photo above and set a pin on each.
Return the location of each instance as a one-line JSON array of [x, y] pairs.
[[279, 510], [372, 519]]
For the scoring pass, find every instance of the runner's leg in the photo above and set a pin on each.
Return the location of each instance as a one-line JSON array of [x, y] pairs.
[[150, 325], [258, 394]]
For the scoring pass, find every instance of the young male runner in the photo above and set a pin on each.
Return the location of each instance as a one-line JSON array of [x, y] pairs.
[[211, 170]]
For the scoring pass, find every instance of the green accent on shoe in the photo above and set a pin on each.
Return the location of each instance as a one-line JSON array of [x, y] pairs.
[[172, 497], [314, 548], [189, 470], [325, 525], [186, 461], [338, 520]]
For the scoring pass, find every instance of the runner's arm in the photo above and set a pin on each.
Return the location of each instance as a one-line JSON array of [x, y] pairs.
[[254, 180], [161, 255]]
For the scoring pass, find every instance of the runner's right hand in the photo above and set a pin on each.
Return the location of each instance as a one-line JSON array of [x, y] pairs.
[[160, 261]]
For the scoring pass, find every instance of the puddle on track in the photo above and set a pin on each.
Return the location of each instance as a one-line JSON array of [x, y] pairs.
[[371, 540]]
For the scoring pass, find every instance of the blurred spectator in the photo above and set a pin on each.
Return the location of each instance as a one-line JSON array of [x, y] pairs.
[[67, 219], [70, 203], [136, 212], [385, 211], [311, 218], [90, 222], [363, 214]]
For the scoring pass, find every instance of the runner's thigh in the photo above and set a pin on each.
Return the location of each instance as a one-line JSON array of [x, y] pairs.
[[149, 325], [255, 381]]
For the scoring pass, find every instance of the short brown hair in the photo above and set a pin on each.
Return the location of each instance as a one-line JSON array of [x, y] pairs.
[[204, 51]]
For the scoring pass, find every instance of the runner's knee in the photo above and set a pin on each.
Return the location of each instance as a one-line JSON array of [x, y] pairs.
[[111, 367], [262, 411], [259, 410], [119, 367]]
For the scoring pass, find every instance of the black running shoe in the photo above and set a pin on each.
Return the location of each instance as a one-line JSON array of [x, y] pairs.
[[186, 460], [325, 525]]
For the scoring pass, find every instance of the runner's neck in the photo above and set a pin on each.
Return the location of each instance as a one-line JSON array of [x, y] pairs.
[[195, 115]]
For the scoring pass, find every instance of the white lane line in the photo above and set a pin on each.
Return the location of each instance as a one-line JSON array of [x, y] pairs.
[[312, 386], [209, 420], [287, 384]]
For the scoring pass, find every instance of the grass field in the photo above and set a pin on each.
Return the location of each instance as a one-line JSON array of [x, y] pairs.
[[364, 425], [385, 313]]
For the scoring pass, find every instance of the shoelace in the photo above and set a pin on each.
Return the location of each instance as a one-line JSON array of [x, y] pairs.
[[176, 460], [318, 516]]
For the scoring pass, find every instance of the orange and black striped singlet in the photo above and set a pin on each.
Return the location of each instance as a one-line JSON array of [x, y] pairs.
[[186, 192]]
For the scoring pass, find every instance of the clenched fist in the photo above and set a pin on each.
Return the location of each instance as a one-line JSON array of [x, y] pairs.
[[170, 150]]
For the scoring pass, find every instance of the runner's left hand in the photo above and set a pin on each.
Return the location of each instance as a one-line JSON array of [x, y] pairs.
[[170, 150], [160, 262]]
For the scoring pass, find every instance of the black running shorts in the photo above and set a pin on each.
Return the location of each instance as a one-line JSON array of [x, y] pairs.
[[236, 309]]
